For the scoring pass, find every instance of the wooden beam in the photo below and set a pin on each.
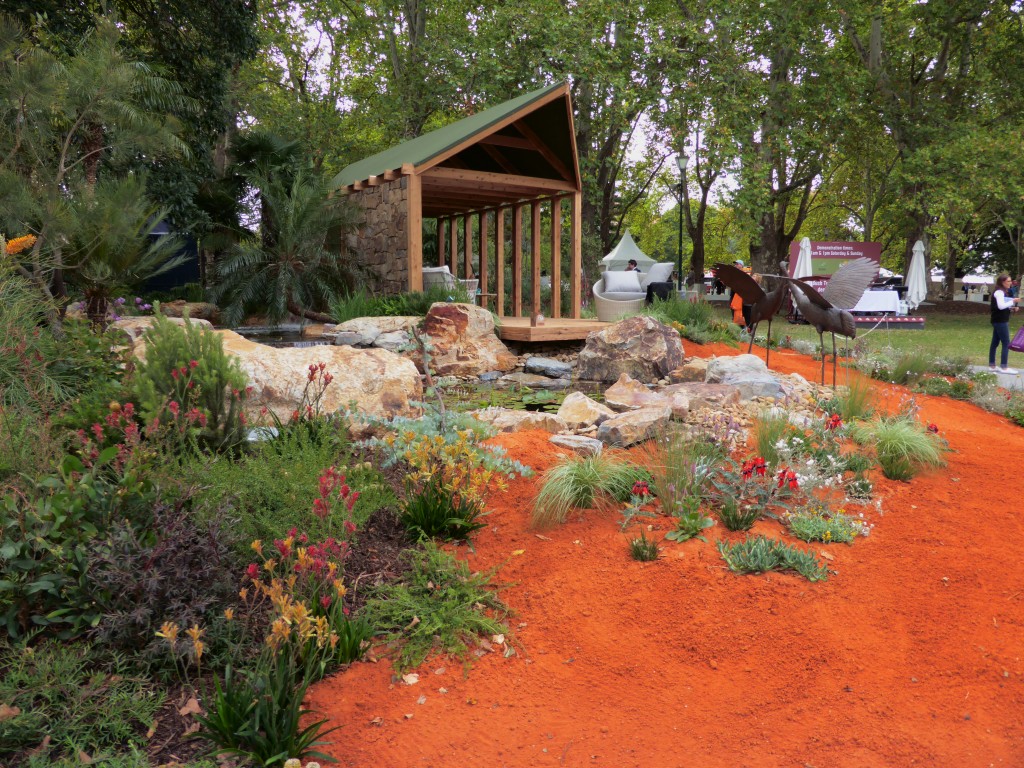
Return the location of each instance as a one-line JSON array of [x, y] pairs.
[[440, 240], [556, 257], [499, 260], [500, 159], [356, 186], [576, 256], [546, 152], [408, 169], [390, 175], [453, 251], [467, 245], [534, 261], [373, 181], [507, 141], [483, 273], [517, 261], [414, 229], [500, 179], [481, 197]]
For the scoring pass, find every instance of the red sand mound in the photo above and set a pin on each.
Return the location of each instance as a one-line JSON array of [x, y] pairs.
[[910, 654]]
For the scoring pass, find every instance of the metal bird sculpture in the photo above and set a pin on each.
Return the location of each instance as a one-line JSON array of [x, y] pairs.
[[763, 306], [829, 310]]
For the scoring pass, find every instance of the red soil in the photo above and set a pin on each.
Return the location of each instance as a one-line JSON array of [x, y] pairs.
[[910, 654]]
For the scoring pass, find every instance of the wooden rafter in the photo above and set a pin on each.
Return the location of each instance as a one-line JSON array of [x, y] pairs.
[[507, 141], [506, 165], [545, 151]]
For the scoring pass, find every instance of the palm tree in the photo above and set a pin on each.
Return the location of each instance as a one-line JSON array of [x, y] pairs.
[[291, 264]]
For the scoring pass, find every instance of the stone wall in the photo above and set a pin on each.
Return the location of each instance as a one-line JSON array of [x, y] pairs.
[[380, 242]]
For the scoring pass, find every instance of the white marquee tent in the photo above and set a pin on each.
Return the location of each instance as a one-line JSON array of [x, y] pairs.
[[621, 254]]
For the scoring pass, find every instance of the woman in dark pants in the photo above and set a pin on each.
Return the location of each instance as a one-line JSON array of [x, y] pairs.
[[1000, 305]]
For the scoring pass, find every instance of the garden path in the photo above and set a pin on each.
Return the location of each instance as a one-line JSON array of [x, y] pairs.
[[910, 654]]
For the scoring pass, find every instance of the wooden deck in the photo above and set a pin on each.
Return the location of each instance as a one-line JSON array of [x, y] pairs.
[[562, 329]]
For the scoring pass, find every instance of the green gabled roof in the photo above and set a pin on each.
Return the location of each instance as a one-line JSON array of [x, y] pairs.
[[421, 149]]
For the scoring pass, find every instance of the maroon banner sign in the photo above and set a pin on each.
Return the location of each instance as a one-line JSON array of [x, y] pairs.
[[828, 257]]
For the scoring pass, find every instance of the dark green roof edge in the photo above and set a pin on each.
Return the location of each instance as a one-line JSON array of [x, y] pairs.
[[421, 149]]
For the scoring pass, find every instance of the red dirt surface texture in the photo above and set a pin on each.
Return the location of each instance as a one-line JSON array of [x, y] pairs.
[[909, 654]]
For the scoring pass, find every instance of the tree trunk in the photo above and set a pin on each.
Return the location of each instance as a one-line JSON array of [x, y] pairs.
[[309, 314]]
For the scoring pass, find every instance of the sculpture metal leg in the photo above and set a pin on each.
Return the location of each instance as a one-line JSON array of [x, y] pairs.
[[750, 346], [834, 356], [768, 343], [821, 342]]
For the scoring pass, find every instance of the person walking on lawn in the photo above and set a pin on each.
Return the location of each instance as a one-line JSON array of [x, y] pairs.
[[1000, 306]]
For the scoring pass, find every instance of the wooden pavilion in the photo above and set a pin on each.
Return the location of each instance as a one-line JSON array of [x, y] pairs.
[[506, 170]]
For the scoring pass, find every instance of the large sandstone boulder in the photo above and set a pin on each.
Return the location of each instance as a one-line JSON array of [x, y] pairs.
[[628, 394], [464, 341], [579, 411], [578, 444], [702, 396], [532, 381], [363, 331], [373, 381], [509, 420], [748, 373], [634, 427], [694, 369], [639, 346]]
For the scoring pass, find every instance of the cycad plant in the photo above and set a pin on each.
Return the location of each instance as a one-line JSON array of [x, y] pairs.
[[111, 245], [290, 265]]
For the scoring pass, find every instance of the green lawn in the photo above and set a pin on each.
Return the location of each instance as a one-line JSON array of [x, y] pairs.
[[944, 336]]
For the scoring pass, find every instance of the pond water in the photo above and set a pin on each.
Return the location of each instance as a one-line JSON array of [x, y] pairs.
[[280, 336]]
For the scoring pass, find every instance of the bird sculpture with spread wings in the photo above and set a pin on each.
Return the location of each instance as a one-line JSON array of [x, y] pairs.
[[763, 305], [829, 310]]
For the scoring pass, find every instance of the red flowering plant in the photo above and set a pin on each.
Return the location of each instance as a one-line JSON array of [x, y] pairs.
[[749, 488], [299, 586], [318, 378], [190, 388], [639, 496], [335, 497]]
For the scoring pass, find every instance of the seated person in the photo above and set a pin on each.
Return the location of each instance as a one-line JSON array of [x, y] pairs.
[[631, 266]]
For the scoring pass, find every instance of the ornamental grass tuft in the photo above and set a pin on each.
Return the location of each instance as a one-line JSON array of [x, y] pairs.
[[903, 446], [583, 482]]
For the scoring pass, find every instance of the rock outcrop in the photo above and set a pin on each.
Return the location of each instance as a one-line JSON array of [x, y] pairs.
[[464, 341], [371, 381], [510, 420], [634, 427], [639, 346]]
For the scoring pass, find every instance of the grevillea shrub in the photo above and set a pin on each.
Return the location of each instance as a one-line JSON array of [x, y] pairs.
[[190, 385]]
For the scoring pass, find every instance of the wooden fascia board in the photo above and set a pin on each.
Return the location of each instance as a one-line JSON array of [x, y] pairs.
[[572, 139], [508, 120]]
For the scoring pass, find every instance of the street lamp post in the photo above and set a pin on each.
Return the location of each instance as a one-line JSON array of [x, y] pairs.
[[681, 163]]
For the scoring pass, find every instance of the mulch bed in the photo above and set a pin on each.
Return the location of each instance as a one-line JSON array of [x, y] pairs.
[[908, 655]]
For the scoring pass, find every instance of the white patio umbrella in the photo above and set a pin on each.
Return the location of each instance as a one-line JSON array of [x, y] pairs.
[[804, 266], [917, 278]]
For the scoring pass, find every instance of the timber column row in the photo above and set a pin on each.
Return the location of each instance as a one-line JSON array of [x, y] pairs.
[[490, 226]]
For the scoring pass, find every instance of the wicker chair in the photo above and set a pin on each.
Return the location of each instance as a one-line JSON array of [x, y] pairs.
[[610, 310]]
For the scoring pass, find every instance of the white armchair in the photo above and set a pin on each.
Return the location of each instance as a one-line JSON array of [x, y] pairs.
[[437, 276], [620, 294]]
